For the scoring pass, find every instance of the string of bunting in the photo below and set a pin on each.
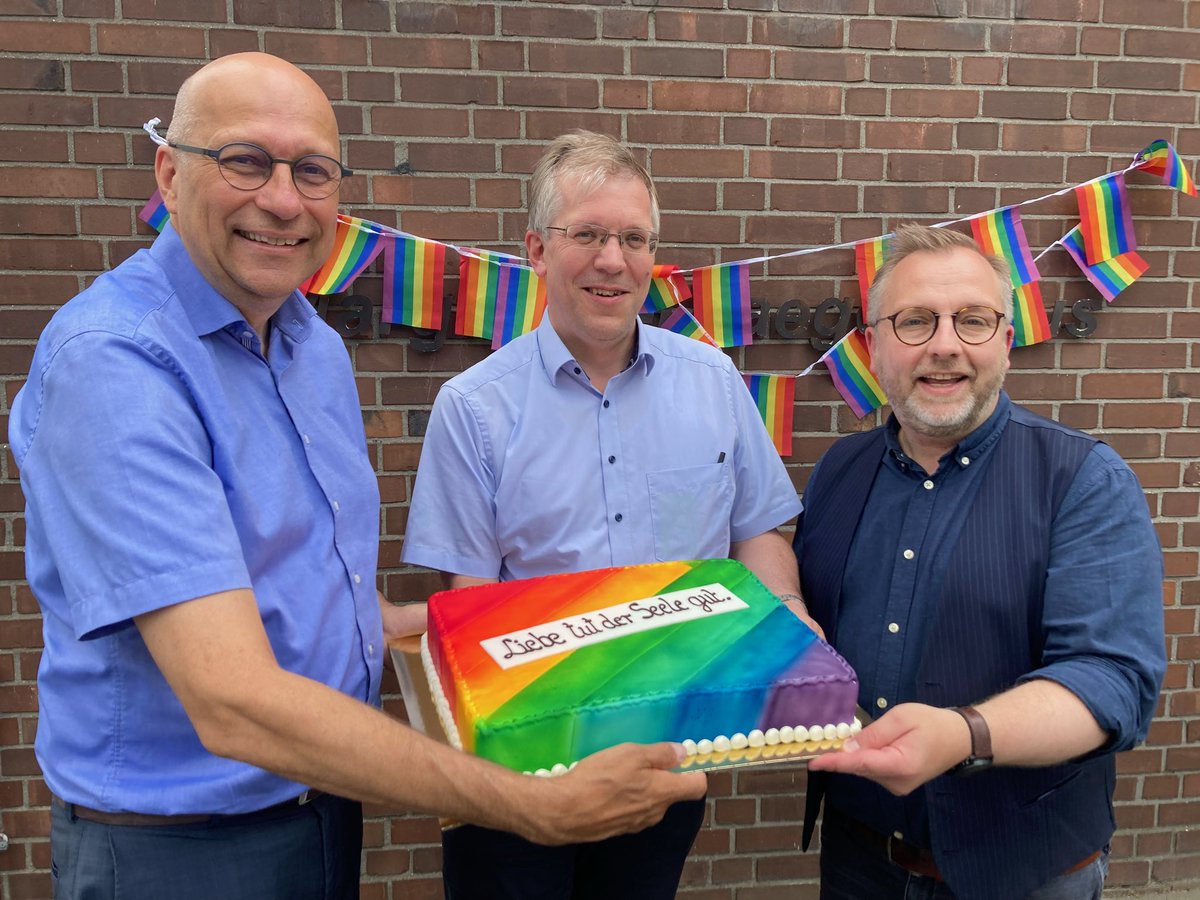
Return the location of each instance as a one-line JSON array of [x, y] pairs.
[[500, 298]]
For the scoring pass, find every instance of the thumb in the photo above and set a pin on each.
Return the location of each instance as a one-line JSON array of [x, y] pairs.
[[664, 755]]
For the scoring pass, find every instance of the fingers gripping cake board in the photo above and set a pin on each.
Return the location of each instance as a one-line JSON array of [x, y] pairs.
[[539, 673]]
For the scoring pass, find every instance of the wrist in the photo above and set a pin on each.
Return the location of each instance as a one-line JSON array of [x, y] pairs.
[[980, 756], [792, 598]]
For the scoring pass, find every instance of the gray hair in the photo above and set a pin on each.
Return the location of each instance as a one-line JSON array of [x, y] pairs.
[[912, 238], [590, 159]]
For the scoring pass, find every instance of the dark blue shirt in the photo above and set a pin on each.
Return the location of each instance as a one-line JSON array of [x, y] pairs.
[[1103, 553]]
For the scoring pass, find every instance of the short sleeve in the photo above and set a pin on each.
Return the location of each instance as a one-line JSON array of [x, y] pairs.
[[117, 471], [452, 517]]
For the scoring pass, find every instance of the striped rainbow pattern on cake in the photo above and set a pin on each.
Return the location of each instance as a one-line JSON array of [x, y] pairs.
[[546, 671]]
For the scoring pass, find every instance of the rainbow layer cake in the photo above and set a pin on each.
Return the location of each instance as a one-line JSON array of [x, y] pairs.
[[542, 672]]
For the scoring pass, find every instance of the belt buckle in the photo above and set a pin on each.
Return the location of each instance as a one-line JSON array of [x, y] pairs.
[[303, 798], [891, 858]]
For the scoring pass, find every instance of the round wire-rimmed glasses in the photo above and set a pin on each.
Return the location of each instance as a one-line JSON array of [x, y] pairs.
[[248, 167], [594, 237], [972, 324]]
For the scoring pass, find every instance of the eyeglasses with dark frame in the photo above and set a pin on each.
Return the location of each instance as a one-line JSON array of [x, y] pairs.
[[594, 237], [248, 167], [972, 324]]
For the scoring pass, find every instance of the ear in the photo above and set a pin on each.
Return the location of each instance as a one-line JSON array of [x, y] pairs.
[[535, 249], [166, 171]]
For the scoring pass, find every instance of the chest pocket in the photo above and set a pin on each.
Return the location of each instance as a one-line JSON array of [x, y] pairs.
[[690, 510]]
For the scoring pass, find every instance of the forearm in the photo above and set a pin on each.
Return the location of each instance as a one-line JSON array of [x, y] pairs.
[[1040, 723], [769, 556]]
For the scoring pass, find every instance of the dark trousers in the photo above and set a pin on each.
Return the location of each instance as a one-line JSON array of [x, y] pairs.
[[482, 864], [308, 852]]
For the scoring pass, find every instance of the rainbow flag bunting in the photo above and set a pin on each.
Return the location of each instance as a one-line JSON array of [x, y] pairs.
[[683, 322], [154, 213], [520, 303], [1104, 218], [1161, 159], [849, 364], [1000, 233], [356, 243], [721, 300], [1110, 276], [775, 397], [868, 257], [414, 275], [478, 280], [1030, 325], [667, 288]]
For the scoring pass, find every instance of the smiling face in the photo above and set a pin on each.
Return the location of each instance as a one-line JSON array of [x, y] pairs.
[[943, 389], [593, 296], [254, 247]]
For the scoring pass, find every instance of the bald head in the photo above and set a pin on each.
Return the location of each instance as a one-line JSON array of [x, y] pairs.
[[259, 75]]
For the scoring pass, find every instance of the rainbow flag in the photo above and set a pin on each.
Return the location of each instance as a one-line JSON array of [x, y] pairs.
[[1111, 276], [868, 257], [414, 277], [520, 303], [1161, 159], [775, 397], [154, 213], [849, 364], [667, 289], [1030, 325], [721, 300], [478, 280], [683, 322], [1104, 218], [356, 243], [1000, 233]]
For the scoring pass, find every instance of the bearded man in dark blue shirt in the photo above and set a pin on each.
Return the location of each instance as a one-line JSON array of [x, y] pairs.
[[995, 580]]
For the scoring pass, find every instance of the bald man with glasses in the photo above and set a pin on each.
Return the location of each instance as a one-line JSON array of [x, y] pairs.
[[995, 580], [203, 528], [594, 441]]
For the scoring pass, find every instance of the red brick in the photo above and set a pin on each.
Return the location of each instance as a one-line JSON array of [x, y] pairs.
[[788, 165], [292, 15], [45, 37], [699, 96], [1139, 75], [1144, 12], [322, 49], [707, 28], [793, 99], [1169, 110], [132, 40], [556, 57], [441, 18], [741, 63], [934, 36], [422, 53], [932, 103], [502, 55], [797, 31], [625, 24], [560, 24], [43, 146], [671, 61], [48, 182], [437, 88], [873, 34], [1003, 104], [661, 129], [419, 121], [911, 70], [544, 91]]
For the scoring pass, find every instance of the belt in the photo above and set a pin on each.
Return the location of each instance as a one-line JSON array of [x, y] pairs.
[[151, 821], [916, 859]]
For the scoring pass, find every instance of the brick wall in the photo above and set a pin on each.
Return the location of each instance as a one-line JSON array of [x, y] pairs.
[[769, 125]]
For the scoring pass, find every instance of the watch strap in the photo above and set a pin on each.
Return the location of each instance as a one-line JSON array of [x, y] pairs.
[[981, 735]]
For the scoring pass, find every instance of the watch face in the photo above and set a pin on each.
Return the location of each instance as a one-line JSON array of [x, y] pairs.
[[973, 764]]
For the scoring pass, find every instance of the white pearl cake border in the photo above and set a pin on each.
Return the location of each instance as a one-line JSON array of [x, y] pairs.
[[783, 742]]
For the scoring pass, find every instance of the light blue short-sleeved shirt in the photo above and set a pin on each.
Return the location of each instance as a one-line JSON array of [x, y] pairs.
[[528, 470], [164, 458]]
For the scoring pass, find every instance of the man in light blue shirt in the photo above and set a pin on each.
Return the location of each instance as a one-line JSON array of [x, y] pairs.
[[202, 539], [595, 441]]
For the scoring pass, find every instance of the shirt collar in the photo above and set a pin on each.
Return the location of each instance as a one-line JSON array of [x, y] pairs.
[[973, 447], [206, 308], [556, 357]]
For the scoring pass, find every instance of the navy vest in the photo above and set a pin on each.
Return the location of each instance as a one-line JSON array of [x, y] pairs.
[[1002, 832]]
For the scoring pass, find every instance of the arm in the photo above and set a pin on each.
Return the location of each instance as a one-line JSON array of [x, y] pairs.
[[216, 657], [915, 743], [769, 556]]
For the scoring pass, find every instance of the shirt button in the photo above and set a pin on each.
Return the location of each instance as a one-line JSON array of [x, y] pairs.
[[370, 649], [336, 506], [928, 485], [618, 517], [898, 835], [306, 440], [908, 554], [893, 627], [606, 404], [578, 371], [881, 702], [612, 459], [357, 578], [966, 460]]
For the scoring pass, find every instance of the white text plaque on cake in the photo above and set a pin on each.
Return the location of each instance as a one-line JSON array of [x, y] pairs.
[[595, 626]]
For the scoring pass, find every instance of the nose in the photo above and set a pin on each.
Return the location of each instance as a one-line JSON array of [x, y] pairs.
[[610, 257], [279, 195], [945, 341]]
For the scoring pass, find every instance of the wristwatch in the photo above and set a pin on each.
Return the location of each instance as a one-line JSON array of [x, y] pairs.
[[981, 742]]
